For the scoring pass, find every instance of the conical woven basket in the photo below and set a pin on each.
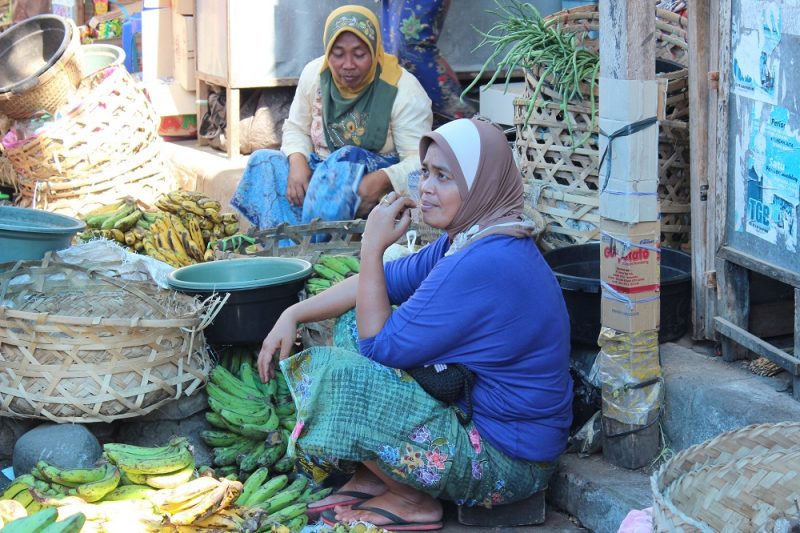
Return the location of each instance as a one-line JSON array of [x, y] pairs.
[[742, 480], [78, 346]]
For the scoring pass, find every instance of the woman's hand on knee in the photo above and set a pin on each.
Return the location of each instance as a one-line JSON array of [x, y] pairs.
[[372, 187], [299, 177], [280, 341]]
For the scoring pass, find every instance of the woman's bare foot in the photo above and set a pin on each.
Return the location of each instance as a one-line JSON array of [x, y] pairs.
[[362, 481], [408, 504]]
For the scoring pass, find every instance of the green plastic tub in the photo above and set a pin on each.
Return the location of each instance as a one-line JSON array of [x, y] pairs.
[[27, 234], [260, 288]]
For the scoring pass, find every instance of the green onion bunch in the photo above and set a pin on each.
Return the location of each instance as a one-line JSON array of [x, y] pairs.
[[522, 38]]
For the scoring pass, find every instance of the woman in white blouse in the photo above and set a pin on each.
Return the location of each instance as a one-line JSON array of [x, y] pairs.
[[352, 134]]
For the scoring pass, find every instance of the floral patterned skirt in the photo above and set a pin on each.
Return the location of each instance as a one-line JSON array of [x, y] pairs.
[[352, 409]]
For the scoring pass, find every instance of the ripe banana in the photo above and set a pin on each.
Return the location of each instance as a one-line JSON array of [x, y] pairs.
[[204, 508], [71, 477], [11, 510], [33, 523], [170, 481], [129, 492], [24, 497], [221, 521], [20, 484], [218, 438], [179, 495], [95, 490]]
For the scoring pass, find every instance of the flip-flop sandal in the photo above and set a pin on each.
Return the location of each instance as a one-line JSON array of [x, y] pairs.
[[397, 523], [355, 498]]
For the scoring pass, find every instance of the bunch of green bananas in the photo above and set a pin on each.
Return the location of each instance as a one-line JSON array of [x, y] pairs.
[[162, 467], [23, 489], [44, 521], [122, 221], [274, 502], [251, 430], [331, 269], [202, 502], [90, 484]]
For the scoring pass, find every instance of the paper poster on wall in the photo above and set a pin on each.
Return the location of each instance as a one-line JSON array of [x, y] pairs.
[[770, 179], [755, 64]]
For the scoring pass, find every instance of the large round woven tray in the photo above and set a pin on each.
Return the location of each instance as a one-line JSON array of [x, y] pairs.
[[562, 178], [78, 346], [104, 147], [742, 480]]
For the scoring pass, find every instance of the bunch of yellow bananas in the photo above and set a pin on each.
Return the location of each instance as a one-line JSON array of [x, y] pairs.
[[170, 241], [196, 207], [331, 269], [41, 521], [203, 502], [162, 467]]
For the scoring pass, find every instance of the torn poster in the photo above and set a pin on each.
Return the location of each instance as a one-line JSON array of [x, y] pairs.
[[755, 65]]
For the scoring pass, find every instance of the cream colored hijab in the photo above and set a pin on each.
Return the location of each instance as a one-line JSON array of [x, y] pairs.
[[488, 180]]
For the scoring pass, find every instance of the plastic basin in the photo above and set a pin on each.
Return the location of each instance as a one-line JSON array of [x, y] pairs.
[[29, 48], [95, 57], [260, 288], [27, 234], [577, 269]]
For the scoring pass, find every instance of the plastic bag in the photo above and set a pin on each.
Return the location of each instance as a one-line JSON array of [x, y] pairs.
[[637, 522]]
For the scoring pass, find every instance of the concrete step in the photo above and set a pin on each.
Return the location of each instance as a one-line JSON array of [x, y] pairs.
[[705, 396]]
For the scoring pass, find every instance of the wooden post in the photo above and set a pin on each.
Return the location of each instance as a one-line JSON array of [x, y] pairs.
[[699, 102], [627, 52]]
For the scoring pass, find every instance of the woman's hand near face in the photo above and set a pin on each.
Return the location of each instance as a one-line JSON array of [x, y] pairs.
[[386, 223], [280, 340], [371, 189], [299, 176]]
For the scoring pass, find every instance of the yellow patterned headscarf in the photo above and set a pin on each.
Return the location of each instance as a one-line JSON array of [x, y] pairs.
[[364, 24]]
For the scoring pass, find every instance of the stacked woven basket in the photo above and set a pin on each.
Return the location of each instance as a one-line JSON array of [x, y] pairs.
[[78, 346], [562, 179], [100, 142], [743, 480]]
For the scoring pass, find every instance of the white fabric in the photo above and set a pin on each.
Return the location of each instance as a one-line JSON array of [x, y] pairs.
[[411, 118], [466, 145]]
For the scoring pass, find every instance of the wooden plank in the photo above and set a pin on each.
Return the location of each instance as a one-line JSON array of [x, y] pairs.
[[201, 102], [699, 97], [627, 40], [758, 346], [760, 265], [232, 110], [733, 303], [721, 176]]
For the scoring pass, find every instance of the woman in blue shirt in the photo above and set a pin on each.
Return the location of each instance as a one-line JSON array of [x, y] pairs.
[[482, 296]]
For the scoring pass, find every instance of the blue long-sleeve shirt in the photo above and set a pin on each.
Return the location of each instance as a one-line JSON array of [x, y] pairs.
[[496, 307]]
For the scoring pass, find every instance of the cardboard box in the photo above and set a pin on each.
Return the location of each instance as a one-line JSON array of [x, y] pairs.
[[184, 51], [157, 44], [630, 260], [170, 99], [71, 9], [183, 7], [633, 100], [629, 176], [497, 104]]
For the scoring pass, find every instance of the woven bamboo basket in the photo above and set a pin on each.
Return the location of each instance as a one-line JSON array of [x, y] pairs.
[[78, 346], [742, 480], [562, 179], [103, 148], [54, 86]]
